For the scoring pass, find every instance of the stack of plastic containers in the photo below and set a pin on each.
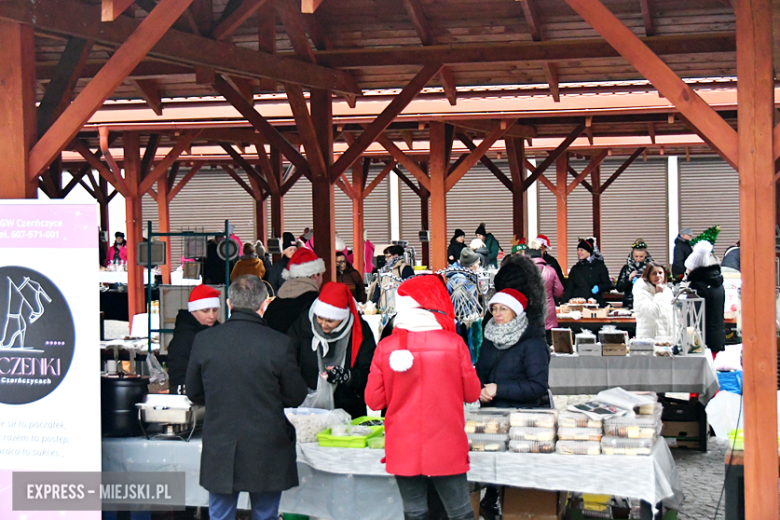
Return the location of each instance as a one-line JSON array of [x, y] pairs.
[[532, 431], [578, 434], [487, 430], [632, 435]]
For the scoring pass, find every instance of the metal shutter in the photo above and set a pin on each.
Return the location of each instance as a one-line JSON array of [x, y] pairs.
[[208, 199], [411, 218], [623, 220], [709, 195]]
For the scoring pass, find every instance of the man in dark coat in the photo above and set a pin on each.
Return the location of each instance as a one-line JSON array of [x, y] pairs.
[[682, 250], [274, 274], [457, 243], [303, 280], [246, 374], [588, 278]]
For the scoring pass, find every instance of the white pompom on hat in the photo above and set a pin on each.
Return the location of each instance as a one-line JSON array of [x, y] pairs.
[[203, 297], [511, 298], [700, 257], [303, 264]]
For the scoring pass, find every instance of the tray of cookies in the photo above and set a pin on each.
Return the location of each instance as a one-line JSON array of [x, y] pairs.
[[580, 434], [487, 441], [578, 448], [478, 422], [622, 446], [520, 433], [639, 427], [516, 446], [567, 419], [534, 418]]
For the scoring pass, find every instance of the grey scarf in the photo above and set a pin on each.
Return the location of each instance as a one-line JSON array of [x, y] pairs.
[[507, 334], [639, 267]]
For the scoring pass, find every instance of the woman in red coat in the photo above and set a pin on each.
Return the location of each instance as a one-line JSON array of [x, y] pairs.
[[422, 374]]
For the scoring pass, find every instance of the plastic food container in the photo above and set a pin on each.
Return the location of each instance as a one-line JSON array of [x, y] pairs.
[[651, 410], [487, 422], [641, 344], [329, 440], [534, 419], [613, 336], [578, 448], [487, 442], [584, 338], [639, 427], [531, 446], [622, 446], [376, 443], [579, 434], [567, 419], [520, 433]]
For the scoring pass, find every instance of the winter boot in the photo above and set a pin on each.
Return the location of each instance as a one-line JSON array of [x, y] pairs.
[[489, 507]]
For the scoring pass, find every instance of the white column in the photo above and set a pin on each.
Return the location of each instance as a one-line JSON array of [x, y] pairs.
[[533, 208], [673, 201], [395, 207]]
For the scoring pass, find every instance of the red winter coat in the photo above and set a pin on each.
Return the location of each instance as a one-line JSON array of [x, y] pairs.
[[424, 425]]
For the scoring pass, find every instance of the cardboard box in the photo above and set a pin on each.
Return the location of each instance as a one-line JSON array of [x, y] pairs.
[[680, 429], [596, 313], [614, 349], [533, 504], [589, 349]]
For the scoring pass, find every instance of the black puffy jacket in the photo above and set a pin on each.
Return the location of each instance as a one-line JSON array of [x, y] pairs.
[[682, 250], [583, 276], [708, 283]]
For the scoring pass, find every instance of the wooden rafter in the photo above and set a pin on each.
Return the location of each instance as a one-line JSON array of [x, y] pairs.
[[647, 16], [623, 167], [405, 161], [346, 187], [476, 155], [230, 171], [148, 91], [170, 182], [161, 169], [594, 163], [553, 156], [551, 75], [585, 184], [72, 18], [112, 9], [485, 126], [227, 26], [390, 166], [295, 26], [139, 43], [306, 130], [251, 172], [408, 182], [267, 170], [82, 149], [310, 6], [383, 120], [149, 154], [668, 83], [538, 34], [485, 160], [183, 182], [458, 162], [294, 177], [76, 177]]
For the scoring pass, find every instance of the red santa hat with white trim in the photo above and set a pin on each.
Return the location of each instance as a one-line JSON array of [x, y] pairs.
[[203, 297], [303, 264], [511, 298], [335, 302], [545, 241]]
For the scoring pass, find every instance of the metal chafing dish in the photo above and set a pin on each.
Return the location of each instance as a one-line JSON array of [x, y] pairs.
[[176, 413]]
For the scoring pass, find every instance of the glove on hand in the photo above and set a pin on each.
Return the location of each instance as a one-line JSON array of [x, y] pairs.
[[595, 289], [338, 375]]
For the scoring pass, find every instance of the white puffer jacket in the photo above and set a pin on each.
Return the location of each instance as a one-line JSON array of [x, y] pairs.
[[654, 315]]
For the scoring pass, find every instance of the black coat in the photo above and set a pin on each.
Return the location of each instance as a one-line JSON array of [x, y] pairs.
[[351, 396], [583, 276], [626, 286], [245, 373], [731, 258], [453, 250], [275, 273], [708, 283], [521, 372], [682, 250], [283, 312], [181, 346]]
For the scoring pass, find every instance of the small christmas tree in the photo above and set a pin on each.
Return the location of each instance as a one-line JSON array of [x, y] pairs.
[[709, 234]]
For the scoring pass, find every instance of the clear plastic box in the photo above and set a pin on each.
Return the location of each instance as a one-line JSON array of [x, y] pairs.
[[622, 446], [487, 442], [487, 422], [639, 427], [584, 338], [578, 448], [534, 419], [520, 433], [532, 446], [580, 434], [568, 419], [651, 410]]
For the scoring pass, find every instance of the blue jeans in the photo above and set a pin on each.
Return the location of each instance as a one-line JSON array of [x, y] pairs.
[[265, 506]]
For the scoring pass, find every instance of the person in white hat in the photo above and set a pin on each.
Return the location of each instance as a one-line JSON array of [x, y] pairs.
[[201, 313]]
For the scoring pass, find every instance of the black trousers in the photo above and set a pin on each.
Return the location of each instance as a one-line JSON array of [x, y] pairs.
[[452, 489]]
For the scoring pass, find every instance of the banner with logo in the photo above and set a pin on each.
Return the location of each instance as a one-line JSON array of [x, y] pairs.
[[49, 345]]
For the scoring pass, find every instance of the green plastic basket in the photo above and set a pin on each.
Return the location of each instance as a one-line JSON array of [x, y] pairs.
[[327, 440], [366, 418]]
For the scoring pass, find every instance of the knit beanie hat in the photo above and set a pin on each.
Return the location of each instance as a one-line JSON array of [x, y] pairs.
[[459, 233], [203, 297], [700, 256], [587, 245], [288, 240], [335, 302], [481, 230], [304, 263], [511, 298], [468, 257]]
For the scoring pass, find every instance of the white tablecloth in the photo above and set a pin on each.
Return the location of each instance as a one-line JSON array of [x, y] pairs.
[[570, 375], [352, 484]]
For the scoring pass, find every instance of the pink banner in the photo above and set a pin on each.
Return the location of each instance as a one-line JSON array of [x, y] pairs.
[[42, 226]]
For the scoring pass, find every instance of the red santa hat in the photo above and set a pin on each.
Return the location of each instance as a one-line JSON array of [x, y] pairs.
[[335, 302], [304, 263], [511, 298], [545, 241], [203, 297]]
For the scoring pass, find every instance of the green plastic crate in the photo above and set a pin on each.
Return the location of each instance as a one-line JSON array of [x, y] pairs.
[[327, 440], [366, 418]]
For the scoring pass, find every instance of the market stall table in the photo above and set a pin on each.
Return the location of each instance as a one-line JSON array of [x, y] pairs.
[[352, 484], [628, 324]]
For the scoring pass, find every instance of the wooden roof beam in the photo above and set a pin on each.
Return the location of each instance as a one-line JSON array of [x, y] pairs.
[[408, 182], [230, 171], [82, 149], [647, 16], [585, 184], [406, 161], [668, 83], [449, 85], [476, 155], [113, 9], [383, 120], [124, 60], [149, 154], [485, 160], [170, 182], [227, 26], [149, 93], [553, 156], [310, 6], [390, 166], [253, 175], [307, 131], [183, 182], [623, 167], [538, 34], [295, 26], [551, 75], [182, 144], [594, 163]]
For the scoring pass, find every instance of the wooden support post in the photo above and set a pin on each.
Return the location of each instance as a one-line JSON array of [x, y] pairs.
[[515, 149], [358, 225], [595, 176], [438, 193], [134, 219], [277, 204], [562, 170], [260, 221], [757, 234], [164, 224], [323, 202], [18, 124], [104, 220], [425, 220]]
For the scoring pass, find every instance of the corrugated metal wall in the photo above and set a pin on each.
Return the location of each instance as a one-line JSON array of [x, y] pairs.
[[634, 206], [709, 195]]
